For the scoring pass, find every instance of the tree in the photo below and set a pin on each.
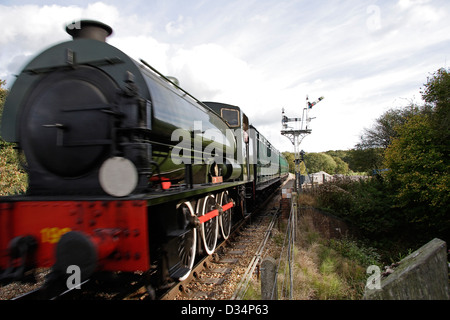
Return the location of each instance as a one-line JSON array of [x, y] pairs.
[[341, 166], [12, 177], [384, 129], [368, 153], [3, 94], [365, 160], [419, 172], [290, 159], [436, 93], [316, 162], [418, 162]]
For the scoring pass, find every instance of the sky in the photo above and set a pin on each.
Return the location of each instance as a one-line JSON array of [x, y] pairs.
[[365, 57]]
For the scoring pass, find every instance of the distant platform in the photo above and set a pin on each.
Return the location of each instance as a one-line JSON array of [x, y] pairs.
[[288, 184]]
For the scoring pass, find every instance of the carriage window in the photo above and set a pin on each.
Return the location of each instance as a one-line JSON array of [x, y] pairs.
[[231, 116]]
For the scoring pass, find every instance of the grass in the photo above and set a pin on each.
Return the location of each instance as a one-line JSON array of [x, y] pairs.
[[321, 273], [323, 269]]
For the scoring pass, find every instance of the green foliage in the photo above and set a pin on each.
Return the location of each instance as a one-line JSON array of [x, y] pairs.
[[437, 94], [365, 160], [341, 166], [436, 90], [13, 179], [329, 162], [410, 200], [356, 250], [420, 174], [368, 153], [290, 159], [363, 203], [385, 127], [345, 162], [3, 94], [316, 162], [418, 159], [339, 265], [333, 197]]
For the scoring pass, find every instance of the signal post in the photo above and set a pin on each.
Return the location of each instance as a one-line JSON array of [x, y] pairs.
[[297, 133]]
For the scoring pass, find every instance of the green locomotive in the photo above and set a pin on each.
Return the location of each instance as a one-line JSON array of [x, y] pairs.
[[123, 164]]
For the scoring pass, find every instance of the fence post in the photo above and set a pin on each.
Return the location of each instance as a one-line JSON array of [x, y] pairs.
[[269, 279]]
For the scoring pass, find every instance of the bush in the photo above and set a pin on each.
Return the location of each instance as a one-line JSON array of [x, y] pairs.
[[335, 198], [13, 179], [365, 204], [356, 251]]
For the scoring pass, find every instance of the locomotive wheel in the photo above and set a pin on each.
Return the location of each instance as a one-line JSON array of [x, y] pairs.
[[187, 245], [208, 229], [225, 217]]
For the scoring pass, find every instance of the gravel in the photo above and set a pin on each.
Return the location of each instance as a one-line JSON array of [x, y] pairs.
[[15, 289]]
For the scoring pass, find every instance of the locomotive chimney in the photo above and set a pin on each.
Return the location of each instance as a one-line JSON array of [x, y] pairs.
[[89, 29]]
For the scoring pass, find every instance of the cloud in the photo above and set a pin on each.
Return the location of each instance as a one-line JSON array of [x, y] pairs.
[[144, 47], [264, 55], [406, 4], [420, 12], [28, 29], [177, 28], [210, 71]]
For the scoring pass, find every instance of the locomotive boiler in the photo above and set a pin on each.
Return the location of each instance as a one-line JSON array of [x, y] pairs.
[[127, 171]]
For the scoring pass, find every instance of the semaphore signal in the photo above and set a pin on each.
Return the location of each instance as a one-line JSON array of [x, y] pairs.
[[298, 132]]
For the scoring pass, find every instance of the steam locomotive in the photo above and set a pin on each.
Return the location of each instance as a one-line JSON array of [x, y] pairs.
[[127, 171]]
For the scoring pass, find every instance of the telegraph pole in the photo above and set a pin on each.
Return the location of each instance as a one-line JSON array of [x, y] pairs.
[[297, 133]]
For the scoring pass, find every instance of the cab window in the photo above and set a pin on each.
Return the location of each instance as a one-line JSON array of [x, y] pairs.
[[231, 116]]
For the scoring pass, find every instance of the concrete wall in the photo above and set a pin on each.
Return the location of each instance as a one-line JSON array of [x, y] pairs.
[[423, 275]]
